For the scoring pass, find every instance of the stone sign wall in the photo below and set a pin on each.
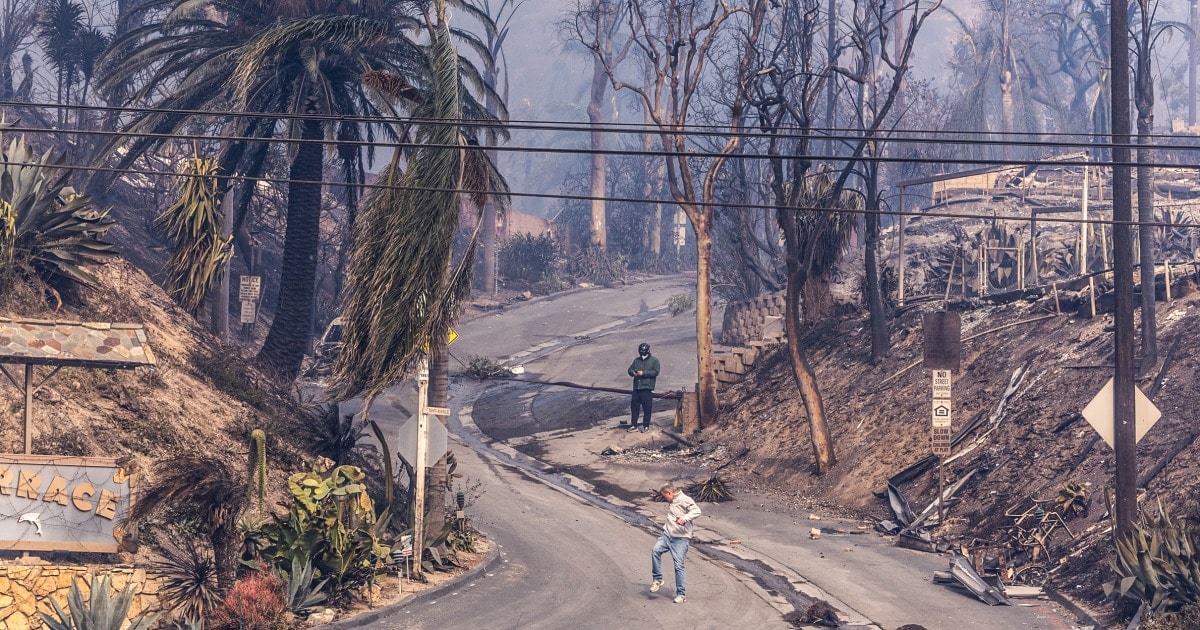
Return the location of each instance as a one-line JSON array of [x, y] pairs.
[[26, 591]]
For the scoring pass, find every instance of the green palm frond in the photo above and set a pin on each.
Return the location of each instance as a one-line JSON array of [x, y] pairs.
[[402, 291]]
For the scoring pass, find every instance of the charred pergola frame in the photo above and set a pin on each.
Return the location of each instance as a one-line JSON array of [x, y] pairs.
[[93, 345]]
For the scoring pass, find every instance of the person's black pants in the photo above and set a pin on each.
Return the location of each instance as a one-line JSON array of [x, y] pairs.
[[643, 400]]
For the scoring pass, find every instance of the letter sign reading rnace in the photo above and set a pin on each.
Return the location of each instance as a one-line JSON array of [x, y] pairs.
[[50, 503]]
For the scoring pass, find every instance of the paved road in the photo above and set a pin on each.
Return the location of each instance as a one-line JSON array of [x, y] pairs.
[[574, 550], [569, 564]]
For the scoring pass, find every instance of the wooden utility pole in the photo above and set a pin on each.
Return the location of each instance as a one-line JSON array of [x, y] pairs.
[[1124, 431], [1193, 59]]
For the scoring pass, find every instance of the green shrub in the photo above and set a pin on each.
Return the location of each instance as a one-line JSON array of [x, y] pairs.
[[527, 257]]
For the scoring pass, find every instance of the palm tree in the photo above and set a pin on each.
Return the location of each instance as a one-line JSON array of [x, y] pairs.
[[208, 489], [60, 24], [298, 68]]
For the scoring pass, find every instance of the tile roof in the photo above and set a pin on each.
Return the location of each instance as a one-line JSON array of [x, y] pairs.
[[76, 344]]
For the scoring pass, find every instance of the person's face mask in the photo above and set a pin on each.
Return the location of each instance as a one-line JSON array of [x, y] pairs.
[[644, 355]]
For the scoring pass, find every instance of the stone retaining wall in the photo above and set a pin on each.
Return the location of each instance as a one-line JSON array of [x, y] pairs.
[[26, 591], [759, 319]]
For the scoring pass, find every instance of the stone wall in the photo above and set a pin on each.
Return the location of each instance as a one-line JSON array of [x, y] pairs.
[[26, 591], [759, 319]]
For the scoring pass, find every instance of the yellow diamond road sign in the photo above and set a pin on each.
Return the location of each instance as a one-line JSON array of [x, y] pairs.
[[1099, 413], [451, 335]]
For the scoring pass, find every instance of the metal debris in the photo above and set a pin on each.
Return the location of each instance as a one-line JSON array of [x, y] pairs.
[[960, 569]]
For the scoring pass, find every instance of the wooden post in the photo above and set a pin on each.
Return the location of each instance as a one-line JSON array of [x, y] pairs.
[[1083, 226], [1021, 263], [1057, 308], [901, 261], [962, 253], [1104, 245], [983, 266], [941, 492], [28, 408], [950, 279], [1092, 294], [1167, 278], [420, 465]]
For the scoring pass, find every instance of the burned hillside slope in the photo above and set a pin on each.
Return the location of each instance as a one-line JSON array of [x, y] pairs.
[[1026, 446]]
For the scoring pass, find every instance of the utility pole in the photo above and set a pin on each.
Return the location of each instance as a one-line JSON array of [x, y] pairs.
[[1193, 59], [420, 465], [1124, 432]]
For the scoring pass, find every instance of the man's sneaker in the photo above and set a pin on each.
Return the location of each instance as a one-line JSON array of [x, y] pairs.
[[655, 585], [644, 429], [632, 428], [679, 599]]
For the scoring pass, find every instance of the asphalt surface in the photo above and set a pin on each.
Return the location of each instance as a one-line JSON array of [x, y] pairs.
[[574, 529]]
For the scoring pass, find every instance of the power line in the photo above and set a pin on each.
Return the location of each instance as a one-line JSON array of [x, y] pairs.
[[633, 200], [876, 159], [899, 135]]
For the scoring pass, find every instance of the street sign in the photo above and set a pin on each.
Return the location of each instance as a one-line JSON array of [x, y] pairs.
[[406, 445], [942, 340], [249, 288], [941, 384], [941, 431], [249, 311], [438, 411], [451, 335], [1099, 413]]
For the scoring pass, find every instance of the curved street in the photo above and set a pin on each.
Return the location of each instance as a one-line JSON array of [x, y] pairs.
[[574, 531]]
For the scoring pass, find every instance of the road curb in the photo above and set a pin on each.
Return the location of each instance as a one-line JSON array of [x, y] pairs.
[[1081, 615], [372, 616]]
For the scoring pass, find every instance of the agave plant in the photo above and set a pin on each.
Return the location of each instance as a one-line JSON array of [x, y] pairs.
[[101, 611], [46, 229], [1159, 564]]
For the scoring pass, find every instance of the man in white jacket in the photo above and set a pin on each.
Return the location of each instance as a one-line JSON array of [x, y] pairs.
[[676, 537]]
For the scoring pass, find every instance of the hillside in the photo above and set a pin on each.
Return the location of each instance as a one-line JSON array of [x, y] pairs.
[[880, 417], [200, 400]]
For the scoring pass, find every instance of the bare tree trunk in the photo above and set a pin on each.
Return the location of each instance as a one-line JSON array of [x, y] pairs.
[[806, 379], [220, 294], [599, 230], [878, 317], [650, 191], [488, 242], [706, 376]]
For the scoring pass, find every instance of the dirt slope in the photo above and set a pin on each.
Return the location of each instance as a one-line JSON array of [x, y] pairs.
[[881, 423], [202, 398]]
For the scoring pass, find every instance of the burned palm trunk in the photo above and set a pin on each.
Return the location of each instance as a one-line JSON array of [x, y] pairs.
[[1144, 101]]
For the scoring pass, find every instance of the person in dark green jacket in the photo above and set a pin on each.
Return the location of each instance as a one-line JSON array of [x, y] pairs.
[[644, 371]]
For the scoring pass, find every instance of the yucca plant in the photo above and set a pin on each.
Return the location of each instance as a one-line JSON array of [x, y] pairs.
[[46, 229], [193, 223], [101, 611], [1158, 564], [189, 579]]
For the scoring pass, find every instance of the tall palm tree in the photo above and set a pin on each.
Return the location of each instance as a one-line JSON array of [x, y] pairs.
[[60, 23], [298, 68]]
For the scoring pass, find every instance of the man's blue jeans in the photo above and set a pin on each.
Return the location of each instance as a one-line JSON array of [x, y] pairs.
[[678, 548]]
